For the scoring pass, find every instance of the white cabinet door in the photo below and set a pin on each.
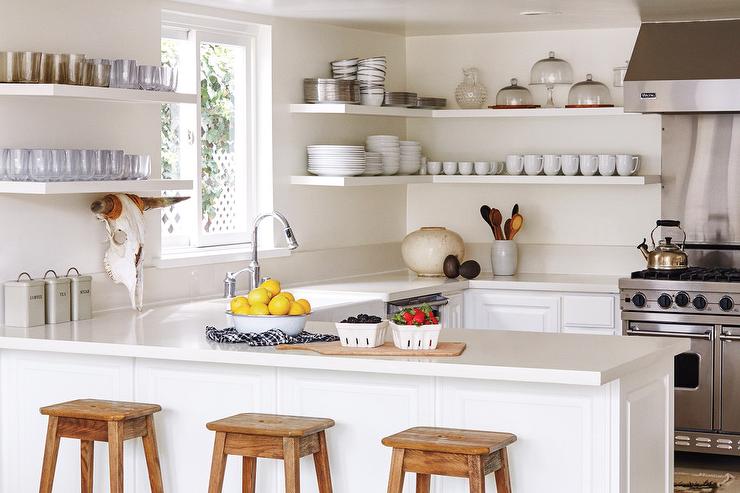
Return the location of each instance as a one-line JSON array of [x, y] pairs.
[[532, 312], [452, 312], [590, 314]]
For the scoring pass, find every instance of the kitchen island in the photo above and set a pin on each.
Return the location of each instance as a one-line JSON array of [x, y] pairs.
[[592, 413]]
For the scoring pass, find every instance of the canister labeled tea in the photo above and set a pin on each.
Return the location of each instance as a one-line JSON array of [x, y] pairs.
[[57, 298], [24, 302]]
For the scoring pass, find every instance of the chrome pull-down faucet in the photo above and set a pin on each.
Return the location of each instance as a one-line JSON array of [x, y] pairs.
[[254, 267]]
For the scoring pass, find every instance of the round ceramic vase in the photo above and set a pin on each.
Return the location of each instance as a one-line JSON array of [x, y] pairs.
[[425, 250]]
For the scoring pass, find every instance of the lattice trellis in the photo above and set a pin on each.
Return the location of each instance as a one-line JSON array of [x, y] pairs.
[[173, 223], [225, 206]]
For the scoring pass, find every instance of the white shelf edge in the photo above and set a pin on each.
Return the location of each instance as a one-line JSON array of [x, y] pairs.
[[356, 181], [71, 187], [96, 93], [358, 109]]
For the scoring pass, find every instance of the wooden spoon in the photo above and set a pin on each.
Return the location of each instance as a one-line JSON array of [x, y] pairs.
[[515, 210], [507, 229], [485, 211], [496, 218], [516, 224]]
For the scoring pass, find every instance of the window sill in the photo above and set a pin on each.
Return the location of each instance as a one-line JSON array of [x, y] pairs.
[[213, 255]]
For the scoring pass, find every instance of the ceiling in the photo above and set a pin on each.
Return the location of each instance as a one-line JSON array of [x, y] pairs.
[[429, 17]]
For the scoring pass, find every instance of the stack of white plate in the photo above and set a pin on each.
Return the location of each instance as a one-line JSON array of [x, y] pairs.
[[374, 164], [371, 74], [344, 69], [410, 157], [389, 147], [336, 160]]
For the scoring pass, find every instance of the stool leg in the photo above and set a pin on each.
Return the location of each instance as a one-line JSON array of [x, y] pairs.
[[218, 464], [87, 458], [249, 474], [292, 464], [395, 481], [503, 481], [423, 483], [51, 450], [151, 454], [115, 455], [476, 475], [321, 461]]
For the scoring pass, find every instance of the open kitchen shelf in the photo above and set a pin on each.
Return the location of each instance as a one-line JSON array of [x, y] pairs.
[[96, 93], [121, 186], [357, 181], [357, 109]]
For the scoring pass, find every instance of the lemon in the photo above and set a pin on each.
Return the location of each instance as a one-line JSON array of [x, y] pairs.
[[305, 304], [288, 295], [279, 305], [259, 309], [272, 285], [296, 309], [239, 304], [259, 295]]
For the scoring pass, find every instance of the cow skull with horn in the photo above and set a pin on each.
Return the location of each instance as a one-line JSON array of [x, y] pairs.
[[123, 216]]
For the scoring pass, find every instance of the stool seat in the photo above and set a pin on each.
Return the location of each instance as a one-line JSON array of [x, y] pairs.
[[100, 410], [455, 441], [271, 425]]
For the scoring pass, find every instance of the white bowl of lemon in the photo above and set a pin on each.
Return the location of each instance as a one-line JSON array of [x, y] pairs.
[[267, 307]]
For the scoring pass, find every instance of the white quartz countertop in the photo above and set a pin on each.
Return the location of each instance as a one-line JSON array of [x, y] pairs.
[[404, 284], [177, 332]]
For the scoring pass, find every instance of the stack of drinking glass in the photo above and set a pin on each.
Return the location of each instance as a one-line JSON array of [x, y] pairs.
[[47, 165]]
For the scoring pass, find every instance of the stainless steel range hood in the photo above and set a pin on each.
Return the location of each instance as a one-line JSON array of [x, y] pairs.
[[681, 67]]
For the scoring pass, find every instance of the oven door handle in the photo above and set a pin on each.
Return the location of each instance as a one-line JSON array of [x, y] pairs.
[[725, 337], [706, 336]]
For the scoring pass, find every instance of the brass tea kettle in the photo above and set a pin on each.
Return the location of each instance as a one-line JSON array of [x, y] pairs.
[[666, 255]]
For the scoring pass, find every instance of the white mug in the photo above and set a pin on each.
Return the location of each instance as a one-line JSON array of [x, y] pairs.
[[607, 164], [551, 164], [589, 164], [465, 167], [482, 167], [514, 164], [533, 164], [434, 167], [627, 164], [497, 167], [449, 167], [569, 163]]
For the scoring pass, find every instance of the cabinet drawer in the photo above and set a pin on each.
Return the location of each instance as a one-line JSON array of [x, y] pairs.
[[589, 311]]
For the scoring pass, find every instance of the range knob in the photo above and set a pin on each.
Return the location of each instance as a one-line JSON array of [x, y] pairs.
[[700, 302], [726, 303], [682, 299], [639, 300], [665, 301]]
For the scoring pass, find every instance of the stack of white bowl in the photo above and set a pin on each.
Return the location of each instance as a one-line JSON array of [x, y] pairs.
[[373, 163], [344, 69], [410, 157], [389, 147], [371, 74], [336, 160]]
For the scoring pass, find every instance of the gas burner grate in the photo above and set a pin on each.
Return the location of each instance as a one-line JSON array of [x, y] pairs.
[[707, 274]]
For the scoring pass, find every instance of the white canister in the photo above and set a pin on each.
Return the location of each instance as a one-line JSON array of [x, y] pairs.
[[425, 250], [57, 298], [80, 295], [504, 257], [24, 302]]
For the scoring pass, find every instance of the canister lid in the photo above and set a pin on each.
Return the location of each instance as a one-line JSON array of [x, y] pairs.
[[56, 279], [25, 282], [78, 278]]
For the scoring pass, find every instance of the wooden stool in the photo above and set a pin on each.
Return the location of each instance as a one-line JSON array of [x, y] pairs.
[[91, 420], [274, 437], [449, 452]]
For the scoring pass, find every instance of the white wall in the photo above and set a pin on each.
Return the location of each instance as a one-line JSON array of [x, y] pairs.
[[562, 224]]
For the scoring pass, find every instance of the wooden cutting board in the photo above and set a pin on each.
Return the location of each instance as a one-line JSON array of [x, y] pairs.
[[387, 349]]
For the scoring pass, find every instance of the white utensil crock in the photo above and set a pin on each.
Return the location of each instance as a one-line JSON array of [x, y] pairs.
[[504, 257]]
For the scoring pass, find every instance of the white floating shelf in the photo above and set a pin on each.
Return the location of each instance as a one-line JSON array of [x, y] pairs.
[[357, 181], [357, 109], [96, 93], [122, 186]]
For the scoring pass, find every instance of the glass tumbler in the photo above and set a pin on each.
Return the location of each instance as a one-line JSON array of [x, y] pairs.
[[75, 71], [4, 164], [56, 166], [101, 165], [11, 69], [38, 167], [130, 166], [86, 167], [125, 74], [17, 164], [116, 165], [71, 169], [149, 77], [60, 68], [29, 67], [165, 78], [144, 168], [45, 71]]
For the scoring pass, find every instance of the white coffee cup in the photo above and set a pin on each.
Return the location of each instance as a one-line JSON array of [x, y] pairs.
[[497, 167], [627, 164], [607, 164], [533, 164], [465, 167], [449, 167], [551, 164], [482, 167], [434, 167], [514, 164], [569, 164], [589, 164]]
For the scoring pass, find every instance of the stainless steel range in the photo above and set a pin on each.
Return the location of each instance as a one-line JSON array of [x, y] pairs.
[[701, 304]]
